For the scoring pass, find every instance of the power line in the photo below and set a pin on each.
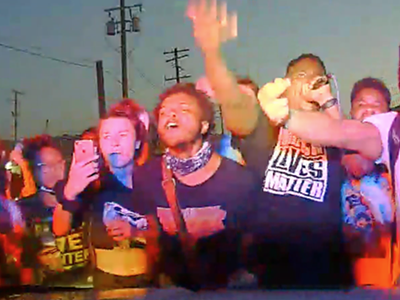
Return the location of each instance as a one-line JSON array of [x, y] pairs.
[[38, 54], [176, 60], [73, 63], [59, 60]]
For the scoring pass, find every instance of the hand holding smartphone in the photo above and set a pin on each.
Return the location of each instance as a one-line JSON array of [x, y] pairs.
[[84, 150]]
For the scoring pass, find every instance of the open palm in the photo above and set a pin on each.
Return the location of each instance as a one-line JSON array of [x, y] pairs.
[[212, 25]]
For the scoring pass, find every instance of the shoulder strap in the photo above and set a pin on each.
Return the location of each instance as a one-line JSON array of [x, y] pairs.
[[187, 243], [168, 185]]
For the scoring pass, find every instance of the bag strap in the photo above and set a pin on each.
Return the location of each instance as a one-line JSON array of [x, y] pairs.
[[169, 186]]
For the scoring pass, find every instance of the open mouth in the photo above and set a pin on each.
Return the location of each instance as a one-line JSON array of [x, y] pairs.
[[171, 125]]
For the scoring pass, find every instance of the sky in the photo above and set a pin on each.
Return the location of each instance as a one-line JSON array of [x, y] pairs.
[[355, 38]]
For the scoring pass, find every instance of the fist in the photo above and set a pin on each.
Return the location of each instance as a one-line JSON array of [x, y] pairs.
[[16, 156], [274, 106]]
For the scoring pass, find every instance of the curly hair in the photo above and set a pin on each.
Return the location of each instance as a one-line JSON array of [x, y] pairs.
[[32, 146], [203, 101], [371, 83]]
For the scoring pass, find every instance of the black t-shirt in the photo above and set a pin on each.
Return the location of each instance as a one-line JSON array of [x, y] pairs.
[[299, 215], [113, 201], [40, 246], [215, 211]]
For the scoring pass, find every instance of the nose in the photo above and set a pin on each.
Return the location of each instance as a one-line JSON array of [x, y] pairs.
[[172, 114], [369, 112], [115, 141]]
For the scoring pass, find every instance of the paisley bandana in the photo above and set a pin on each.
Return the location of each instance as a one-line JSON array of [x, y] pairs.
[[184, 167]]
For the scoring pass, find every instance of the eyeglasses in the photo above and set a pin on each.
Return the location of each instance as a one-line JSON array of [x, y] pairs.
[[46, 167]]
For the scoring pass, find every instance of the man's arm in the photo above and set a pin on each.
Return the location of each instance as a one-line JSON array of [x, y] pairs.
[[239, 110], [321, 129], [213, 26]]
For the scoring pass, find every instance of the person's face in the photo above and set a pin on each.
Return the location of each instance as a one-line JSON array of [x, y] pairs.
[[302, 74], [180, 121], [49, 167], [117, 140], [368, 102]]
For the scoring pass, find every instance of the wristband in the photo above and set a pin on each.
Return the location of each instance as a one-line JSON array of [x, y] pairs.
[[71, 206], [328, 104]]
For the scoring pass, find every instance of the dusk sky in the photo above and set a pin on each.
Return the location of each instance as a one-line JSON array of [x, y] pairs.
[[355, 38]]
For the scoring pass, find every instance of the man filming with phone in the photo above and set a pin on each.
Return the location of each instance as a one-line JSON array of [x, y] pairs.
[[117, 224]]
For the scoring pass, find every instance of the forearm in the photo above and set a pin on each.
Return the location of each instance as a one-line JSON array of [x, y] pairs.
[[29, 187], [239, 110], [62, 221], [321, 129], [64, 211]]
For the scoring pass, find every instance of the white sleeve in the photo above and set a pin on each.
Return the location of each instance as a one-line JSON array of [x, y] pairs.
[[383, 122]]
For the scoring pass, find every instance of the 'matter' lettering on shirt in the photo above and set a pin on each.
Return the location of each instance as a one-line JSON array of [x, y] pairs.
[[297, 168], [73, 252], [200, 221]]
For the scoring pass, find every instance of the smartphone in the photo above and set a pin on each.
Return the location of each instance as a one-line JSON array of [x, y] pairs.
[[84, 150]]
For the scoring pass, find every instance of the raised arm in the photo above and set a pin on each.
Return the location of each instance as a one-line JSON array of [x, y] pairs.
[[212, 26]]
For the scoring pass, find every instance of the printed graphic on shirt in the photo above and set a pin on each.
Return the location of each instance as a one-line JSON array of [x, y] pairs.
[[61, 253], [368, 211], [113, 211], [74, 253], [200, 221], [297, 168], [357, 212], [371, 196]]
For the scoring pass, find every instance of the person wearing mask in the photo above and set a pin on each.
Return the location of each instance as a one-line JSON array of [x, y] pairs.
[[117, 223], [215, 195]]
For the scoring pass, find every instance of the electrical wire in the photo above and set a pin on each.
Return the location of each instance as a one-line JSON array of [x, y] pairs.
[[59, 60], [38, 54]]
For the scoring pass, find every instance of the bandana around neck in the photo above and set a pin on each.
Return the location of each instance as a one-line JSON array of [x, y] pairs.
[[184, 167]]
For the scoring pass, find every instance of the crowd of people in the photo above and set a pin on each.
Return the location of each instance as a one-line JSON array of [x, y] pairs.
[[304, 198]]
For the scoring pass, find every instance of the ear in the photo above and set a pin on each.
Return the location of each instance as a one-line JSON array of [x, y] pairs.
[[204, 127], [137, 145]]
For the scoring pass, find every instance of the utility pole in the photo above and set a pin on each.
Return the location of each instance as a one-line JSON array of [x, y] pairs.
[[175, 61], [112, 30], [100, 88], [15, 113]]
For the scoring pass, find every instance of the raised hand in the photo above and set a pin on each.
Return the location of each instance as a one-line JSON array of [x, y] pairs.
[[212, 25], [81, 174], [273, 104]]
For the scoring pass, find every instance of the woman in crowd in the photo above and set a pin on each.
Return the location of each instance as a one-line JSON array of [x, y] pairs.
[[120, 261]]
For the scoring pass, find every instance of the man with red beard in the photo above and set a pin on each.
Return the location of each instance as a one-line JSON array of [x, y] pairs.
[[215, 194]]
